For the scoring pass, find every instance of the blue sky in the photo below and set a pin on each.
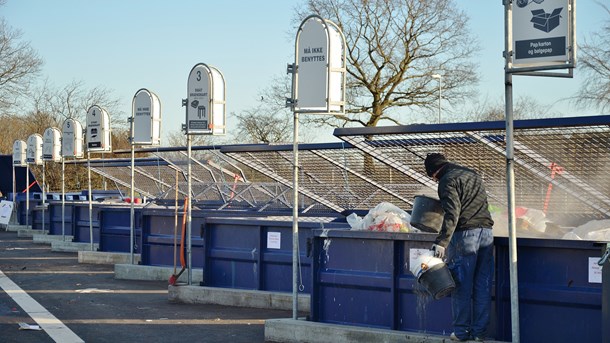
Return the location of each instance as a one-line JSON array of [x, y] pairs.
[[125, 45]]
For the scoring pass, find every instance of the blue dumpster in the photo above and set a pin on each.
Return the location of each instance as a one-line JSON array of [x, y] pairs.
[[81, 222], [256, 252], [362, 278], [22, 208], [55, 222], [557, 301], [158, 238], [115, 228], [37, 214]]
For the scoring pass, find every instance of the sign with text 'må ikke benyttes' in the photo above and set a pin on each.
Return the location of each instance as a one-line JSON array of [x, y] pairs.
[[34, 150], [146, 116], [319, 75], [19, 149], [541, 33], [206, 101], [72, 139], [98, 130], [51, 145]]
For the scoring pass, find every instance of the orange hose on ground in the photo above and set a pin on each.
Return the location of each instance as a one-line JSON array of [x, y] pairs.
[[182, 260]]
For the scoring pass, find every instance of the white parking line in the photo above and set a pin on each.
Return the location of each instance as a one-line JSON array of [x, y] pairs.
[[48, 322]]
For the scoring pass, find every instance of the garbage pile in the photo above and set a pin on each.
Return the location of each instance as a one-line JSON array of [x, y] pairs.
[[384, 217], [530, 223], [533, 223], [594, 230]]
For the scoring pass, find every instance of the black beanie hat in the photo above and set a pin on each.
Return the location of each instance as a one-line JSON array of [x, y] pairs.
[[434, 162]]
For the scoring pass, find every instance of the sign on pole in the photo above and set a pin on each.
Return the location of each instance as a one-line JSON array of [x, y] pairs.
[[98, 130], [19, 149], [319, 71], [51, 145], [72, 139], [206, 101], [34, 151], [542, 35], [146, 116]]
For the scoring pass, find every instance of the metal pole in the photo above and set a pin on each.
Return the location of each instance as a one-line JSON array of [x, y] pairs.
[[295, 218], [63, 199], [44, 196], [131, 209], [90, 200], [510, 177], [188, 211], [27, 194]]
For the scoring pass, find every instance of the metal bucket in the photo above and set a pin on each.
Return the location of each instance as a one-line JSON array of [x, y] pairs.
[[438, 281], [427, 214]]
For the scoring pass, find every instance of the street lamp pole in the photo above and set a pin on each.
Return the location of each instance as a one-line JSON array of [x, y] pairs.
[[440, 93]]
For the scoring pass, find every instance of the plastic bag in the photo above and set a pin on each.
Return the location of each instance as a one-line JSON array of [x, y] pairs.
[[384, 217], [358, 223]]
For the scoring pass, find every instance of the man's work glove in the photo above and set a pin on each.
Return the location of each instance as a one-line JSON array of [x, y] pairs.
[[439, 251]]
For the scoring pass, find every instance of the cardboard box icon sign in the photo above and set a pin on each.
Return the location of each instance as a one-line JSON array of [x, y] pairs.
[[546, 21]]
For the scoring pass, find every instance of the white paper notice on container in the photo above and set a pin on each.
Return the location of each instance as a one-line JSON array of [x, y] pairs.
[[274, 240], [595, 270]]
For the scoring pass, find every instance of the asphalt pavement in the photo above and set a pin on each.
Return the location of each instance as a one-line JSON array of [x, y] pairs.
[[84, 301]]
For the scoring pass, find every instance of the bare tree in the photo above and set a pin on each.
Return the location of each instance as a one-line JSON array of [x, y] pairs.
[[12, 128], [259, 126], [19, 66], [393, 49], [595, 63], [269, 121], [73, 100], [525, 107], [177, 138]]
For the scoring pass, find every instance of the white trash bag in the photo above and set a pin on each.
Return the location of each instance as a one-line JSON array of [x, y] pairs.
[[384, 217]]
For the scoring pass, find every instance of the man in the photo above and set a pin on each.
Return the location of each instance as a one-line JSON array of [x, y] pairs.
[[466, 236]]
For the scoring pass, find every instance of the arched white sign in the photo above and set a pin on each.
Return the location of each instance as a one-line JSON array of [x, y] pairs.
[[146, 116], [19, 149], [319, 73], [72, 139], [98, 130], [51, 144], [206, 101], [34, 150]]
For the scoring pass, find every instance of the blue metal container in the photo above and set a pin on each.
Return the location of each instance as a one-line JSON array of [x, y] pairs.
[[55, 223], [557, 303], [158, 238], [21, 210], [37, 216], [81, 222], [363, 278], [256, 252], [115, 228]]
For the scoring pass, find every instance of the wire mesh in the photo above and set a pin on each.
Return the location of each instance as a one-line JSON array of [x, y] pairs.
[[338, 177], [560, 169]]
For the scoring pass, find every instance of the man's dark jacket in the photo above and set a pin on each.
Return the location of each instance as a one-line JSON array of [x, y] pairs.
[[463, 199]]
